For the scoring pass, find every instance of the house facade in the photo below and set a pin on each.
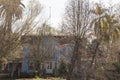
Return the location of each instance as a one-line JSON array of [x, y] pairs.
[[26, 64], [58, 47]]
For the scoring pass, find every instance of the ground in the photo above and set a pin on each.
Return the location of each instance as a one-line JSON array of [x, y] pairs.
[[42, 79], [49, 78]]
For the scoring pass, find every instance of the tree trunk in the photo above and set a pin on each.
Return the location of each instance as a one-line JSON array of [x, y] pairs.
[[13, 70], [9, 24], [95, 54], [92, 61], [37, 68], [73, 60], [118, 58]]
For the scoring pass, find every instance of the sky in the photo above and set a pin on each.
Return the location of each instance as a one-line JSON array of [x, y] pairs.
[[56, 9]]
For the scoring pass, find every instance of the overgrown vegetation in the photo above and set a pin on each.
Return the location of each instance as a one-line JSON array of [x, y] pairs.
[[94, 30]]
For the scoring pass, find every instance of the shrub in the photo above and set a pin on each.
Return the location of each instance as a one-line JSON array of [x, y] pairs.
[[62, 69], [117, 67]]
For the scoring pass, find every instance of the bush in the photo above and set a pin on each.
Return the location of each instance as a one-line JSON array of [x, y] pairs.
[[62, 69], [117, 67]]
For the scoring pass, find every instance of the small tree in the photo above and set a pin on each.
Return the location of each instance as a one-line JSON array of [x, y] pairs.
[[44, 47], [62, 69]]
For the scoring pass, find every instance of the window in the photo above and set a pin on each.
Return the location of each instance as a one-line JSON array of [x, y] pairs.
[[42, 66], [49, 65]]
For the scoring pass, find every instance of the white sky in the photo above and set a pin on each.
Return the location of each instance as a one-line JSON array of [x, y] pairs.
[[58, 8]]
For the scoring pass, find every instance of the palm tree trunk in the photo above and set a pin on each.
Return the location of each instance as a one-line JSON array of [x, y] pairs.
[[95, 54], [92, 61], [9, 24]]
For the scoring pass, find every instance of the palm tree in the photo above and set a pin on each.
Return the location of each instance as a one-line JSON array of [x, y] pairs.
[[9, 10], [106, 28]]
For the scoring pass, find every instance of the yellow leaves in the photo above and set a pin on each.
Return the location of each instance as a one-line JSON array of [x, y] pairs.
[[118, 30], [106, 29], [102, 24], [3, 60]]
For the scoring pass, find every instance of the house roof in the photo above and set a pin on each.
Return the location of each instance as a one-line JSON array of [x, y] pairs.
[[60, 39]]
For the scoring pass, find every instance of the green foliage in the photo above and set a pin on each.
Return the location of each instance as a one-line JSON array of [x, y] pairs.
[[117, 67], [62, 69]]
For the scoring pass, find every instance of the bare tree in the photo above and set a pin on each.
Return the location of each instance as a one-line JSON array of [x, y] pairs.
[[43, 47], [76, 22]]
